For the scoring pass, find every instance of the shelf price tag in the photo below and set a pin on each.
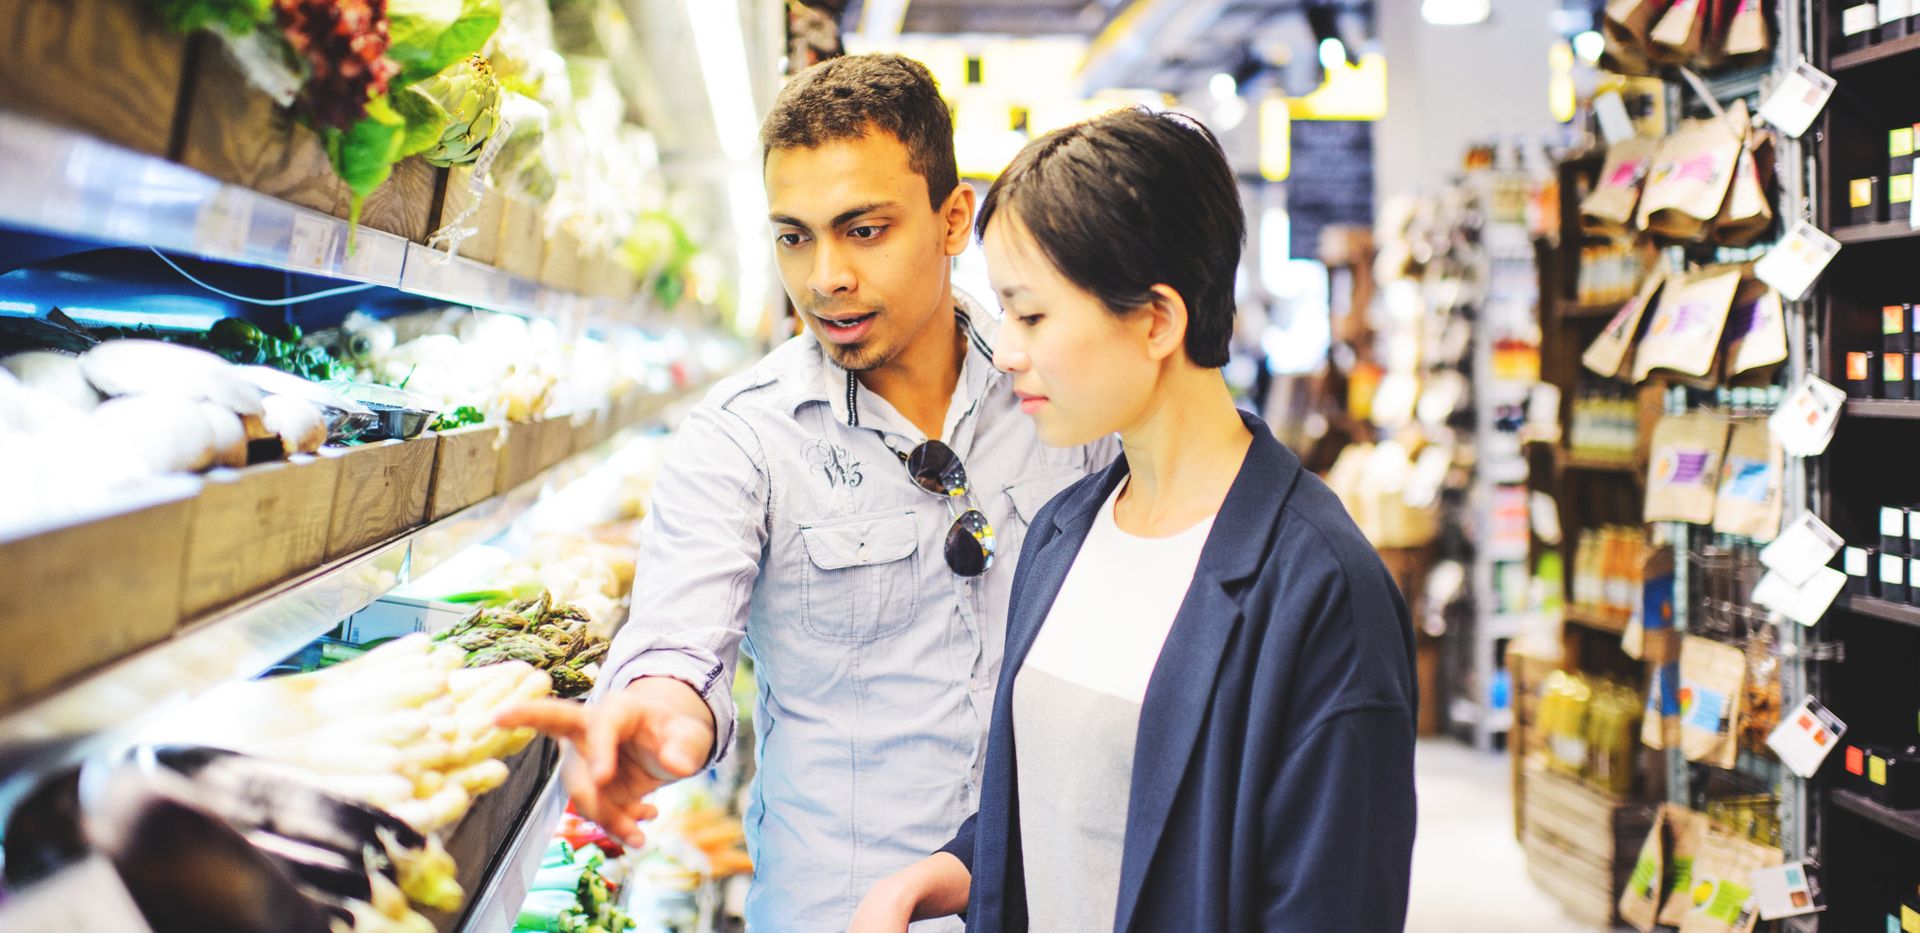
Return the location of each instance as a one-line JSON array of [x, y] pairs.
[[376, 257], [87, 897], [1799, 97], [1791, 267], [313, 245], [1807, 545], [1804, 603], [225, 224], [1805, 737], [1806, 418], [1788, 890], [1615, 125]]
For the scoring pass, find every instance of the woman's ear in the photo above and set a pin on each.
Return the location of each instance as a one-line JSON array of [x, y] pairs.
[[957, 214], [1167, 328]]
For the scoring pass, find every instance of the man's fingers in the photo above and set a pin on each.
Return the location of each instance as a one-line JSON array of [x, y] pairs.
[[680, 753], [562, 719], [602, 747]]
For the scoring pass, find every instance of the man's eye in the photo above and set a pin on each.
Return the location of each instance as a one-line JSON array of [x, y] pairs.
[[789, 240], [866, 232], [1030, 319]]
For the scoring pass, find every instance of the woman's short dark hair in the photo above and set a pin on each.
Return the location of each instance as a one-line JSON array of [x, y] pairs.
[[1130, 200], [847, 98]]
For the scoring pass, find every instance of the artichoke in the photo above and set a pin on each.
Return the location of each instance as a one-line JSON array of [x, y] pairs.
[[469, 95]]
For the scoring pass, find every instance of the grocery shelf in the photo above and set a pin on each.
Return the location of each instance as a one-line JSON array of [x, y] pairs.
[[1904, 822], [1883, 408], [1594, 619], [1880, 609], [1869, 233], [495, 906], [1879, 51], [245, 640], [64, 182], [1568, 308], [1599, 465]]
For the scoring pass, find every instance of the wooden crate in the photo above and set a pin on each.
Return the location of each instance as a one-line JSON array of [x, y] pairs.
[[1581, 844], [486, 220], [589, 429], [560, 260], [554, 440], [382, 492], [521, 237], [86, 592], [255, 527], [107, 67], [465, 468], [239, 135]]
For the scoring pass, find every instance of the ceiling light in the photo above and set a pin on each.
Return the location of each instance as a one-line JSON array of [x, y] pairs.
[[1588, 45], [1223, 86], [1333, 53], [1455, 12]]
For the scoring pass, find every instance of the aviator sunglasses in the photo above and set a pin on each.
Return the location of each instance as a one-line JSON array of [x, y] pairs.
[[937, 469]]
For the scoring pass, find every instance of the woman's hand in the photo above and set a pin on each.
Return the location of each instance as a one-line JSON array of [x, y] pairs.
[[935, 886]]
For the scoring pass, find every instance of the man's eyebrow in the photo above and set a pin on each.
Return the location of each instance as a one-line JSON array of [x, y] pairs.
[[847, 215]]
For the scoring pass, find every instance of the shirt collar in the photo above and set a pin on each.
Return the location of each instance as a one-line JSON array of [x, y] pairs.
[[842, 390]]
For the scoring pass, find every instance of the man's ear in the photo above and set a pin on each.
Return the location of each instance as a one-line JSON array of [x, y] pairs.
[[1167, 323], [957, 214]]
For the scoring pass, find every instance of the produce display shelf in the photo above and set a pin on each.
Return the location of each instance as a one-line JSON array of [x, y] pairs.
[[1904, 822], [67, 183], [1883, 408], [1879, 51], [1594, 619], [245, 640], [496, 905], [1881, 609]]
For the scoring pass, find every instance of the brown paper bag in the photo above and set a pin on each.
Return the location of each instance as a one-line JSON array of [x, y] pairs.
[[1748, 33], [1608, 354], [1751, 476], [1681, 34], [1609, 209], [1684, 334], [1688, 184], [1756, 339], [1713, 679], [1640, 901], [1689, 828], [1748, 211], [1719, 895], [1684, 469], [1627, 23]]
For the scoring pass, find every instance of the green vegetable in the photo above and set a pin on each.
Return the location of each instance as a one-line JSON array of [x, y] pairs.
[[460, 418], [233, 17], [430, 35], [559, 852], [549, 912], [364, 155], [469, 96]]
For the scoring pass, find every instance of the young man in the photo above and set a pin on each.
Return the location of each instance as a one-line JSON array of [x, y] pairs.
[[851, 508]]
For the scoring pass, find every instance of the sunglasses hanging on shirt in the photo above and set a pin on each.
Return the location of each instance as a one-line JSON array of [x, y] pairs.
[[935, 468]]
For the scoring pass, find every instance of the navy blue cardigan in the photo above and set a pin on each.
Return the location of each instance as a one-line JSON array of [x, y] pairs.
[[1273, 771]]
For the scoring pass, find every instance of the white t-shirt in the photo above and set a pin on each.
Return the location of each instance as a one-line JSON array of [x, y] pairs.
[[1076, 710]]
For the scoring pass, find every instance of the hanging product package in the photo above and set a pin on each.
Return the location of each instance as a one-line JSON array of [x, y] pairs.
[[1748, 211], [1625, 27], [1689, 833], [1713, 676], [1608, 210], [1763, 707], [1684, 471], [1748, 33], [1684, 334], [1750, 484], [1640, 900], [1681, 34], [1607, 356], [1688, 184], [1756, 339], [1720, 895]]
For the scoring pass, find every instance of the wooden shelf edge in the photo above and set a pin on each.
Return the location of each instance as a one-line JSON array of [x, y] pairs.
[[1877, 52], [1904, 822], [1598, 465], [1900, 613], [1574, 309]]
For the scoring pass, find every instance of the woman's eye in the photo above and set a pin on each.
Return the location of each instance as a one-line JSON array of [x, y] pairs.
[[867, 232]]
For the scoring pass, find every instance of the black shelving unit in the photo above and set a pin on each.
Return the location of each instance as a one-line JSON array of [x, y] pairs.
[[1904, 822]]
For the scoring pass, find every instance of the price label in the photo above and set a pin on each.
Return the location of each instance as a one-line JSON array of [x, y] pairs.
[[1791, 267], [1788, 890], [1799, 97], [1615, 125], [1805, 737], [1807, 545], [224, 224], [1857, 19], [1891, 10], [1804, 603], [87, 897], [1806, 418], [375, 257], [315, 240]]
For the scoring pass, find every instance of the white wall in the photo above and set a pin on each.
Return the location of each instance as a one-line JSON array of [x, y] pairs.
[[1451, 86]]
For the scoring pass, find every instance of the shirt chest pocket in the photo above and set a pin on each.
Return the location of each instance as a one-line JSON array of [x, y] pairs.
[[862, 577]]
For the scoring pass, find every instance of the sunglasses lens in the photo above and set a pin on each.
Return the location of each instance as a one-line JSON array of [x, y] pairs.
[[937, 469], [970, 544]]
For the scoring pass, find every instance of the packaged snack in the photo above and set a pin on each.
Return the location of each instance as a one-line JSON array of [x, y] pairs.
[[1608, 354], [1713, 679], [1751, 475], [1684, 468], [1609, 209], [1684, 335]]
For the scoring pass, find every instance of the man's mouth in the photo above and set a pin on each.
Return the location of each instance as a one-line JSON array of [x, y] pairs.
[[848, 323]]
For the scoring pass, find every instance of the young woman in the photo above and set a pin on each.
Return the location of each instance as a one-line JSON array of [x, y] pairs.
[[1205, 715]]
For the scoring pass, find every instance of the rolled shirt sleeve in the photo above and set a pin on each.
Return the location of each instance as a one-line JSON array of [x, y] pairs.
[[700, 550]]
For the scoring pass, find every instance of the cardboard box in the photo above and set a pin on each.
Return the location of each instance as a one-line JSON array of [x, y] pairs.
[[253, 527], [85, 592], [382, 492]]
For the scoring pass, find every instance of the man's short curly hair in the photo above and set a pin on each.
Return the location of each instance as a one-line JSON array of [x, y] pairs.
[[849, 97]]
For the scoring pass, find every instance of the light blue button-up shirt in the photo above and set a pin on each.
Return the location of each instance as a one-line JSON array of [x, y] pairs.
[[784, 520]]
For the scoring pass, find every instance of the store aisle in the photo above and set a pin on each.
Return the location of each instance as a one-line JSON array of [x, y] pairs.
[[1469, 875]]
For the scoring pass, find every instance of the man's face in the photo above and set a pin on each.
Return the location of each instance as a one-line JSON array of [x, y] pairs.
[[862, 254]]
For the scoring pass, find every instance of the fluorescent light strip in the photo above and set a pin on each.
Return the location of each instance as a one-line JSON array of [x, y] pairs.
[[722, 48]]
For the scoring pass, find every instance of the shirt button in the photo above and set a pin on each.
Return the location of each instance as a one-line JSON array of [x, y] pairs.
[[862, 553]]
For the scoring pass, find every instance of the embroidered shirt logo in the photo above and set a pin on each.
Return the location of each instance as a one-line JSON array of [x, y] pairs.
[[833, 462]]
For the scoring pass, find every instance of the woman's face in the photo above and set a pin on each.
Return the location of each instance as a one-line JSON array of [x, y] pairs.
[[1081, 371]]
